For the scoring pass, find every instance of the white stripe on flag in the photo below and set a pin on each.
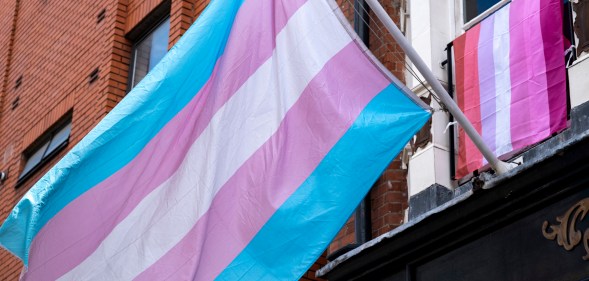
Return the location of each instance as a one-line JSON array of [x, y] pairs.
[[236, 131], [501, 43]]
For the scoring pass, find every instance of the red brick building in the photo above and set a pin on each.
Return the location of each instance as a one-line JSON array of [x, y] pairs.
[[64, 65]]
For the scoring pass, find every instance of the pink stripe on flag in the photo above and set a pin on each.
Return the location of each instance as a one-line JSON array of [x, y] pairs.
[[472, 97], [530, 113], [551, 17], [323, 113], [459, 53], [58, 247]]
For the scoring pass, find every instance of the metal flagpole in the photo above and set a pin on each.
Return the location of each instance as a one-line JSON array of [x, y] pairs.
[[499, 166]]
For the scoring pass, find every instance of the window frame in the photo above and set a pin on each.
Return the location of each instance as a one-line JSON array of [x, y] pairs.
[[44, 141], [140, 39], [476, 20]]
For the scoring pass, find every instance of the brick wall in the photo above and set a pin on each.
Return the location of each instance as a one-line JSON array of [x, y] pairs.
[[8, 15], [182, 16], [116, 65], [138, 10], [389, 199], [52, 46], [310, 274]]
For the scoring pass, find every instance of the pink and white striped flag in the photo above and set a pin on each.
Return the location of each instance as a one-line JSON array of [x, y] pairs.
[[510, 79]]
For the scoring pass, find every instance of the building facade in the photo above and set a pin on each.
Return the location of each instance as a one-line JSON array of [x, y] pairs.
[[527, 224], [65, 65]]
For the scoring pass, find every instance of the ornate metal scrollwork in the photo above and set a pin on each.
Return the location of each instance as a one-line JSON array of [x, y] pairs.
[[566, 234]]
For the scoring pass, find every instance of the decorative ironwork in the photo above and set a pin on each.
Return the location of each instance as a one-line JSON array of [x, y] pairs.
[[566, 234]]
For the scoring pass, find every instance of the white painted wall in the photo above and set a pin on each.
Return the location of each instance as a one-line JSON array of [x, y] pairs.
[[432, 25], [578, 81]]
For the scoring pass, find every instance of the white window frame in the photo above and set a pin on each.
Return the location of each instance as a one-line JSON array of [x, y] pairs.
[[483, 15]]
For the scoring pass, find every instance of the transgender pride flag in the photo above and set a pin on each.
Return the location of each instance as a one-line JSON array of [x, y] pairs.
[[239, 156], [510, 79]]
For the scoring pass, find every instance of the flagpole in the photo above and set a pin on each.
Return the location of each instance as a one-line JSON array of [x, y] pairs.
[[499, 166]]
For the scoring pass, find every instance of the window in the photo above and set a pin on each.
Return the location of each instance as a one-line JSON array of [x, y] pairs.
[[51, 143], [148, 52], [473, 8]]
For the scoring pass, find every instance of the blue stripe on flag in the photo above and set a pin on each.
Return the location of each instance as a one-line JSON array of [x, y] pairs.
[[280, 251], [154, 101]]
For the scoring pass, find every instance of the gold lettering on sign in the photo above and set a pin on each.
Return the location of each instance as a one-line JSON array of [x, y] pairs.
[[566, 234]]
